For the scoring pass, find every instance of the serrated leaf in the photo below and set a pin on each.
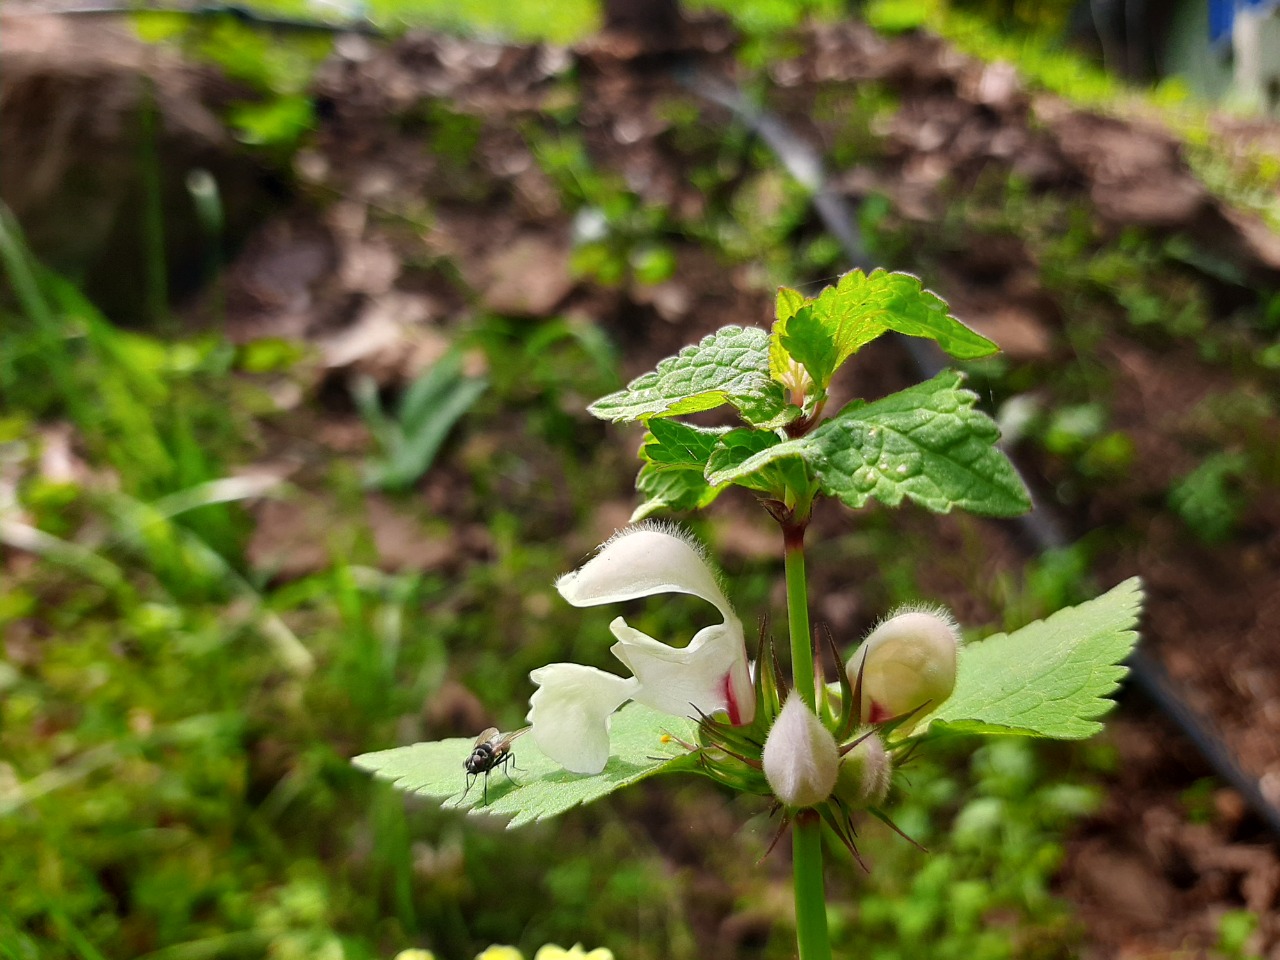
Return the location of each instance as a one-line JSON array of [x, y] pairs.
[[786, 304], [1051, 678], [539, 788], [728, 366], [926, 444], [672, 488], [670, 443], [859, 308], [675, 456], [735, 448]]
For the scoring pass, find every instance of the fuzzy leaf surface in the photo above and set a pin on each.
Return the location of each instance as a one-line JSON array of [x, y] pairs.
[[926, 444], [843, 318], [1052, 678], [540, 788], [728, 366]]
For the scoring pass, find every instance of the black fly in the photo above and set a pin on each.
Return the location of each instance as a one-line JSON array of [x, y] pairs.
[[492, 749]]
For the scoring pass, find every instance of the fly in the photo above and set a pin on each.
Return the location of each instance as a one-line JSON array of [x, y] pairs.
[[492, 749]]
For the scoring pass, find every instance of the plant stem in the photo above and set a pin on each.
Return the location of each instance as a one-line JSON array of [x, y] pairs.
[[798, 615], [812, 940]]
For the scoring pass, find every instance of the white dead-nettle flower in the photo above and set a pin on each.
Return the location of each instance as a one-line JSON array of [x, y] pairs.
[[908, 662], [801, 759], [570, 710]]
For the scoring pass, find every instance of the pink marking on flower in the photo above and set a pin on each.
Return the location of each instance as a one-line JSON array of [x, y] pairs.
[[731, 702], [878, 713]]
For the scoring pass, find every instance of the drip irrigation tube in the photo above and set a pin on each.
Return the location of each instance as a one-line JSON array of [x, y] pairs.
[[214, 9], [1039, 530]]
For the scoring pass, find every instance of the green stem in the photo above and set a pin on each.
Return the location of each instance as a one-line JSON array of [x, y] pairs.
[[798, 615], [812, 940]]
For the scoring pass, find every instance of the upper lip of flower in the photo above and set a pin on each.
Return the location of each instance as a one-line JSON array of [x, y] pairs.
[[710, 674]]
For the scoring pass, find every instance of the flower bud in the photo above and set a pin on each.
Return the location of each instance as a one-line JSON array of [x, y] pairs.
[[800, 756], [863, 779], [907, 662]]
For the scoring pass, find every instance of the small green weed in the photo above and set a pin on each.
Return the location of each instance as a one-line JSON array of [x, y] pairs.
[[1209, 499], [410, 438], [993, 833]]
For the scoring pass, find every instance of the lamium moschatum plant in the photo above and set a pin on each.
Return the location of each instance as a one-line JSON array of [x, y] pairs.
[[822, 753]]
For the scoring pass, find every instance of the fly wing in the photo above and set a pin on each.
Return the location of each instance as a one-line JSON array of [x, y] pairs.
[[510, 738], [485, 737]]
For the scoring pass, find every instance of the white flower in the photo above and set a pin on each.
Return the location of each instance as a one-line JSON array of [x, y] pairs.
[[569, 712], [907, 662], [801, 760]]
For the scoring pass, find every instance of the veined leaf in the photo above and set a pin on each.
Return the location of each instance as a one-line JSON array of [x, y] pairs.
[[1052, 677], [925, 444], [786, 304], [538, 788], [728, 366], [823, 333], [738, 446], [671, 443], [672, 488], [675, 456]]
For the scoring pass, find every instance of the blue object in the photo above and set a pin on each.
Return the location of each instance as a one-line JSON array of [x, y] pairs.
[[1222, 15]]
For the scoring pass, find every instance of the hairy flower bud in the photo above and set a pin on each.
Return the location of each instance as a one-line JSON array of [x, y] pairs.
[[863, 779], [800, 756], [907, 662]]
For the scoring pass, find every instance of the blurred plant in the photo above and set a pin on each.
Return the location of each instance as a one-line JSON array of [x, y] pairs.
[[144, 406], [617, 234], [1209, 499], [274, 69], [1236, 930], [999, 858], [410, 438]]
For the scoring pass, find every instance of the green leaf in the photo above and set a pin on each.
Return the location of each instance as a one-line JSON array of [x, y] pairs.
[[670, 443], [1052, 677], [926, 444], [538, 788], [675, 456], [736, 448], [787, 303], [845, 317], [674, 488], [728, 366]]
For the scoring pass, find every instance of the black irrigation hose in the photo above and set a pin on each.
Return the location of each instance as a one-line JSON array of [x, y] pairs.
[[214, 9], [1040, 530]]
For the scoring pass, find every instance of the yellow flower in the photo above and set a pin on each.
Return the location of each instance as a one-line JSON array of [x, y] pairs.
[[415, 954], [552, 952], [501, 953]]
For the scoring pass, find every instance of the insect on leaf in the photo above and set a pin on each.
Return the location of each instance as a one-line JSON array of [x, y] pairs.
[[538, 788]]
